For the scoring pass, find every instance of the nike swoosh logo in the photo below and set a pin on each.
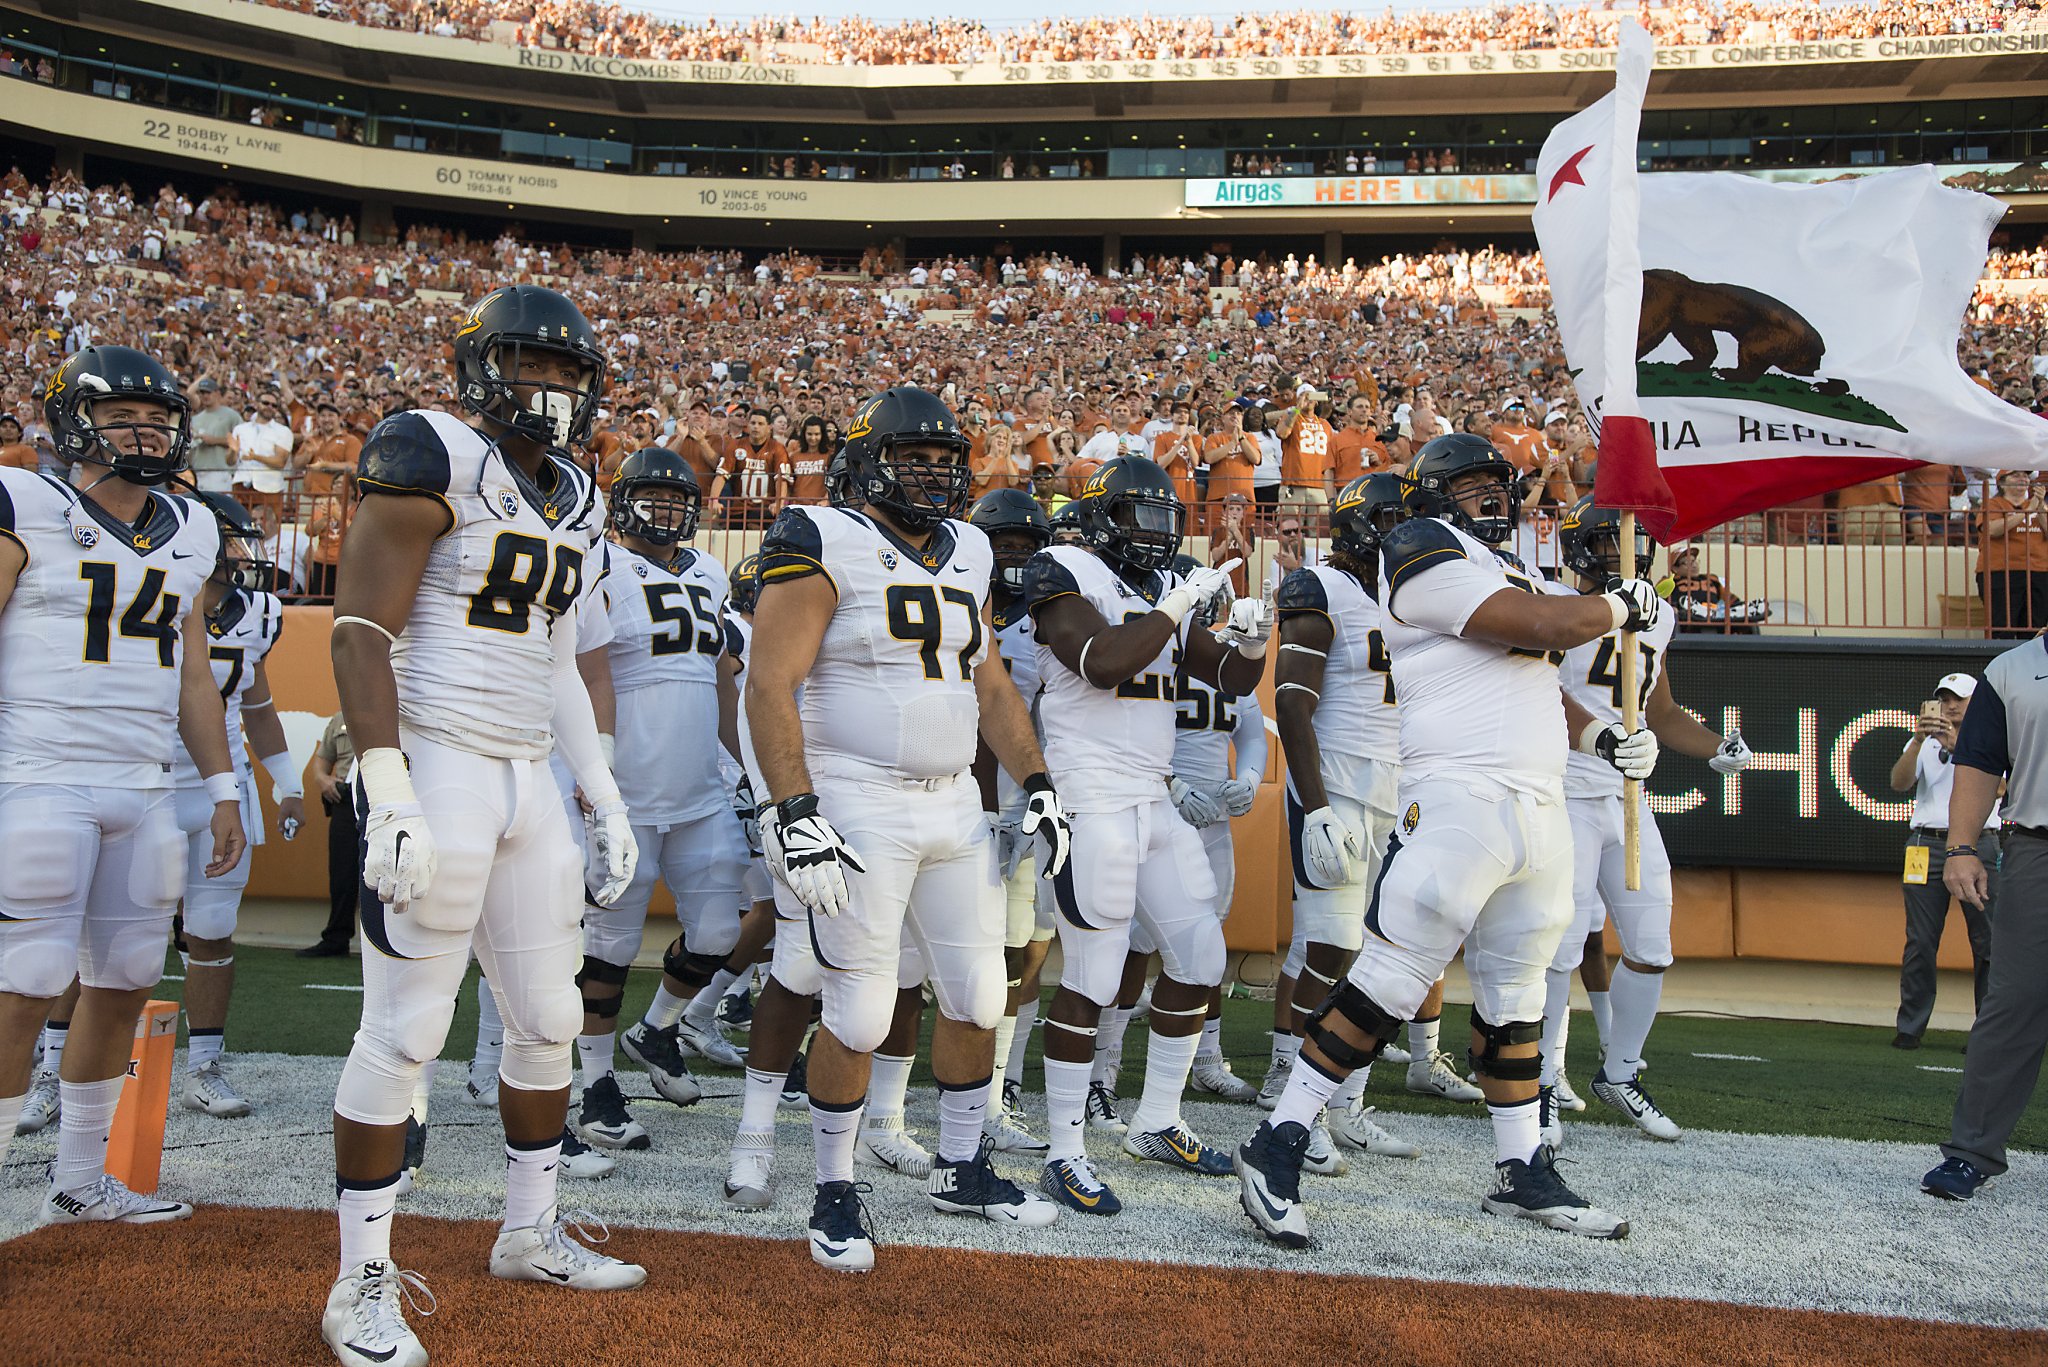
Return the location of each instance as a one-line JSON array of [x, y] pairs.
[[1083, 1197], [187, 555], [398, 847], [1191, 1155], [832, 1252], [549, 1168], [373, 1219], [1273, 1212], [549, 1272], [959, 569], [384, 1356]]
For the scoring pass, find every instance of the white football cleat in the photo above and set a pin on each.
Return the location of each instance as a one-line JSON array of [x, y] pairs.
[[1321, 1156], [706, 1043], [1396, 1055], [107, 1200], [1628, 1097], [884, 1143], [365, 1320], [1355, 1126], [1276, 1083], [481, 1090], [974, 1187], [1548, 1123], [579, 1160], [41, 1106], [1534, 1191], [544, 1252], [749, 1172], [1005, 1129], [659, 1053], [1568, 1099], [207, 1090], [838, 1228], [1102, 1110], [1213, 1075], [1438, 1077]]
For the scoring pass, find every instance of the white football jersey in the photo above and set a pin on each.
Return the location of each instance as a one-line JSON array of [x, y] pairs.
[[1108, 749], [1592, 675], [1206, 723], [1490, 716], [892, 687], [89, 642], [475, 664], [668, 632], [1357, 717], [1018, 644], [739, 639], [238, 638]]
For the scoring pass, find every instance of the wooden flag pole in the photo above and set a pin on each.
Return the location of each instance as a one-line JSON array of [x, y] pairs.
[[1631, 718]]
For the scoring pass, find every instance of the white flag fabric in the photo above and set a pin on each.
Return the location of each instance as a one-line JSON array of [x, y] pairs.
[[1739, 344]]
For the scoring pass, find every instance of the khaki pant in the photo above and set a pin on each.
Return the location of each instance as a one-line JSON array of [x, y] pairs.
[[1303, 496], [1871, 525]]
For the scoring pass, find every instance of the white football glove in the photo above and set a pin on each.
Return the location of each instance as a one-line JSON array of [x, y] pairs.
[[1046, 819], [1635, 602], [1733, 756], [1632, 753], [1328, 849], [1196, 807], [1248, 627], [1202, 586], [1013, 847], [749, 812], [1237, 795], [398, 854], [808, 855], [611, 852]]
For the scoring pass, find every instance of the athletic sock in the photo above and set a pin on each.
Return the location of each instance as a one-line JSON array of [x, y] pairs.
[[742, 982], [1353, 1088], [1517, 1130], [1006, 1031], [888, 1079], [1564, 1034], [490, 1032], [1635, 996], [87, 1118], [1027, 1016], [203, 1047], [703, 1007], [1603, 1017], [423, 1089], [1286, 1047], [666, 1008], [594, 1052], [762, 1094], [54, 1035], [833, 1129], [10, 1116], [1167, 1061], [364, 1211], [962, 1109], [1066, 1107], [1422, 1040], [1309, 1089], [530, 1173], [1210, 1048], [1557, 1008], [1109, 1045]]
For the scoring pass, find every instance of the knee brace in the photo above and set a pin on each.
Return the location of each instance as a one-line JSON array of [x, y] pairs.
[[1487, 1062], [376, 1083], [689, 967], [1363, 1013], [536, 1065], [595, 970]]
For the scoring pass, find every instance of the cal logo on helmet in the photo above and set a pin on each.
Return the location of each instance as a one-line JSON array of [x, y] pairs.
[[476, 315], [861, 420], [1098, 483]]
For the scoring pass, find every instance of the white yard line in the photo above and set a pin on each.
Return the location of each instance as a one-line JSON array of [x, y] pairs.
[[1732, 1058]]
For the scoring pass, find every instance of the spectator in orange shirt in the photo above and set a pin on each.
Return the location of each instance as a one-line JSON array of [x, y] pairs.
[[1232, 538], [2012, 566], [1926, 492], [1035, 428], [1179, 451], [807, 461], [1514, 438], [696, 443], [1232, 454], [13, 450], [1356, 448], [755, 471], [1000, 464], [1307, 468]]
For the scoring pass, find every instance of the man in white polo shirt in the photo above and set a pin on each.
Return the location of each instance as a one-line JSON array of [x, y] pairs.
[[1926, 770]]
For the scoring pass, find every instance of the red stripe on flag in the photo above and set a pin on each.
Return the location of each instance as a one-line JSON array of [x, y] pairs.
[[1627, 477], [1705, 496]]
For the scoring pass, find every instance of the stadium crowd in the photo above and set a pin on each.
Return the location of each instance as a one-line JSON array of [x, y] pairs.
[[616, 30], [1262, 385]]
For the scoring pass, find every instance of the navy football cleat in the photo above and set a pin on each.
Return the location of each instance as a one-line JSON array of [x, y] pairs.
[[1269, 1181]]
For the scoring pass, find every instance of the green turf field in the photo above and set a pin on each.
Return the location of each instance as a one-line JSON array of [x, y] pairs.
[[1787, 1077]]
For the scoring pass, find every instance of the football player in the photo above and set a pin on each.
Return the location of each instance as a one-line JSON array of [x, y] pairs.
[[454, 638], [881, 615], [1208, 794], [675, 709], [243, 621], [1590, 542], [1340, 727], [99, 579], [1113, 627], [1481, 853], [1017, 529]]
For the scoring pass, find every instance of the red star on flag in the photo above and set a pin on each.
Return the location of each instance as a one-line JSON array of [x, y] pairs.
[[1568, 174]]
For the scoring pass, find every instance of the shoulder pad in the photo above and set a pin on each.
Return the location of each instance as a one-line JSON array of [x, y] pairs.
[[792, 548], [1303, 591], [735, 644], [1512, 561], [404, 455], [1414, 546], [1046, 578]]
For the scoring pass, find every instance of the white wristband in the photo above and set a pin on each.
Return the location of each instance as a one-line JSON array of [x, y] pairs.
[[1589, 736], [1176, 604], [609, 745], [1619, 606], [1252, 650], [223, 787], [284, 781], [386, 781]]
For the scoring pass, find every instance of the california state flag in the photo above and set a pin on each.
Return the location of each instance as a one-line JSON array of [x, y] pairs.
[[1738, 344]]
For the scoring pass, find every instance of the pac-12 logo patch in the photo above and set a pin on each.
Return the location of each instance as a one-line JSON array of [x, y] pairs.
[[1411, 818], [887, 557], [639, 569], [88, 537], [509, 502]]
